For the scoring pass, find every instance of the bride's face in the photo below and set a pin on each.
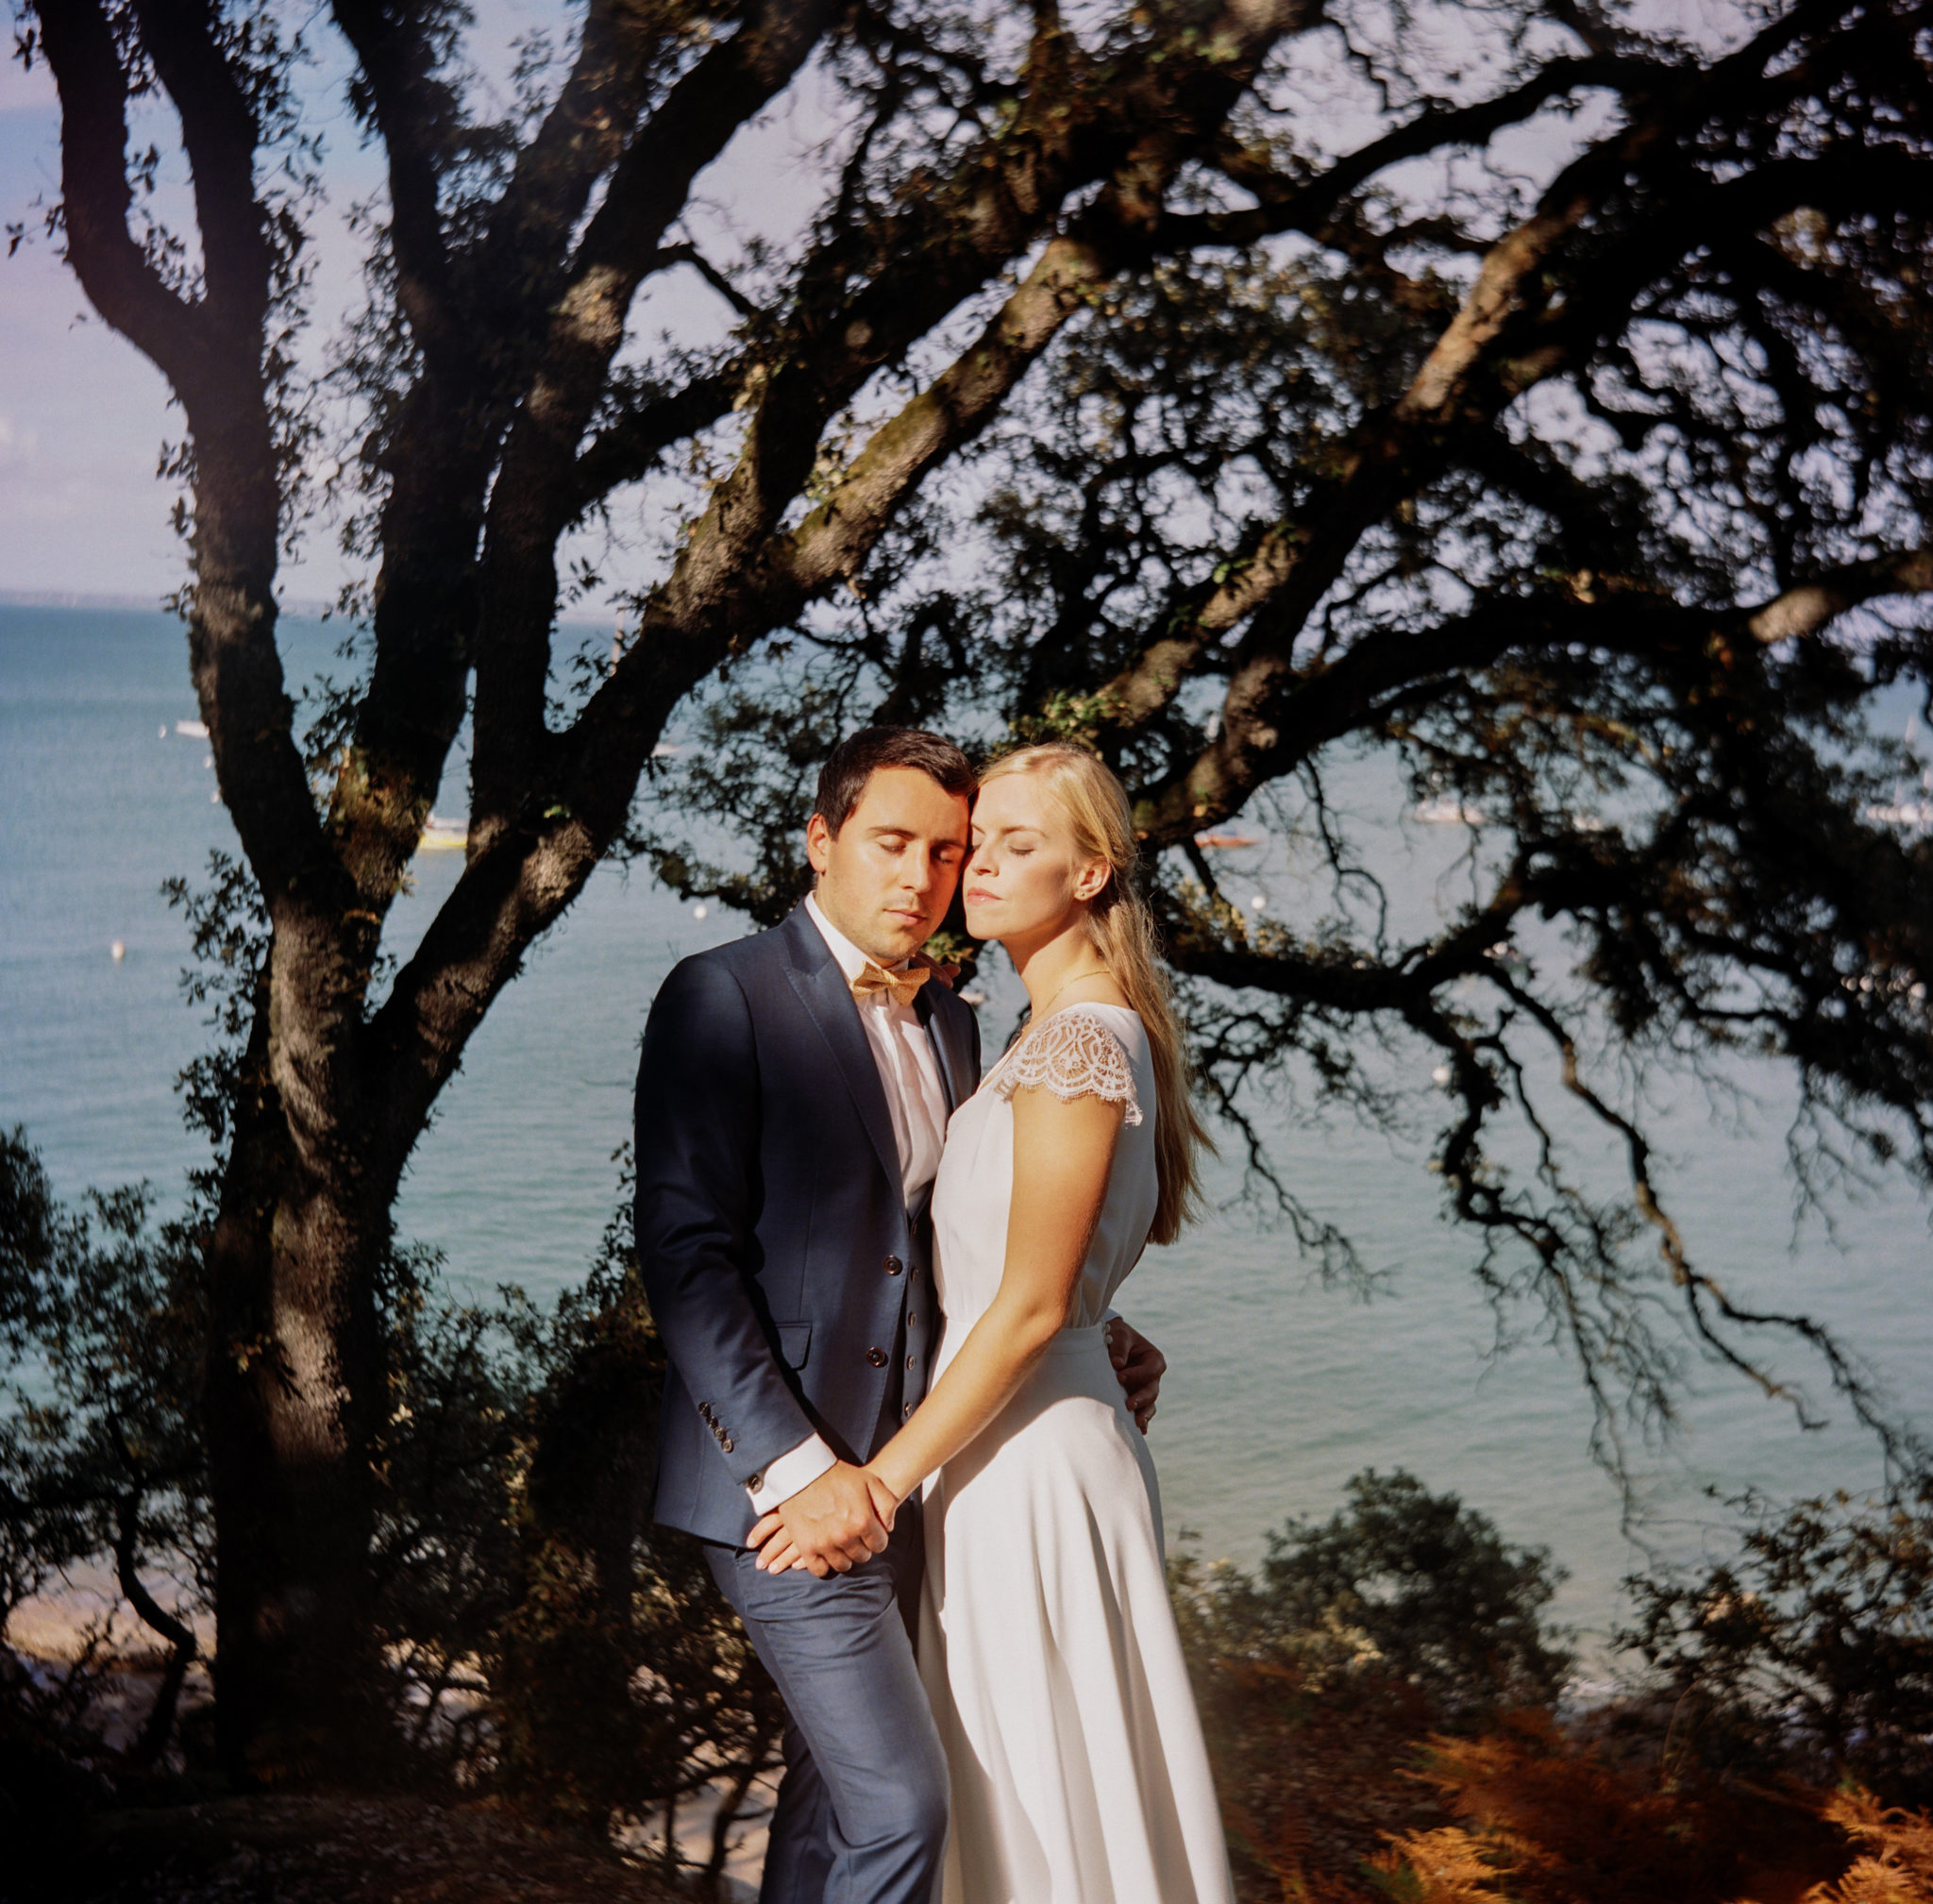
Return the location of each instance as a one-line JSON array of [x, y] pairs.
[[1026, 879]]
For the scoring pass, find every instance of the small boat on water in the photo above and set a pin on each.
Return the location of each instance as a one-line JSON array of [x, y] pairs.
[[1448, 811], [444, 835], [195, 729]]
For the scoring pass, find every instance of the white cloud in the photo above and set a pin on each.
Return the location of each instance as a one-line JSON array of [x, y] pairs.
[[17, 446]]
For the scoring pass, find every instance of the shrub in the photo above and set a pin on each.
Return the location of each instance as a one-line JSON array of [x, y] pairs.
[[1421, 1587], [1539, 1820], [543, 1642], [1895, 1861], [1321, 1676], [1813, 1651]]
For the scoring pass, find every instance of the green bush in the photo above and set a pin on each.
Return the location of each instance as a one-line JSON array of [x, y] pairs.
[[1321, 1675], [1812, 1652], [1416, 1585], [543, 1642]]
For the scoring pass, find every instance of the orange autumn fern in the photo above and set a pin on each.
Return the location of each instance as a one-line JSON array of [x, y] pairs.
[[1896, 1861], [1443, 1866], [1540, 1821]]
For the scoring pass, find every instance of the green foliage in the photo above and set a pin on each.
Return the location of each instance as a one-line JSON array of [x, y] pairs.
[[102, 1323], [1412, 1585], [229, 939], [543, 1641], [1404, 1614], [1813, 1650]]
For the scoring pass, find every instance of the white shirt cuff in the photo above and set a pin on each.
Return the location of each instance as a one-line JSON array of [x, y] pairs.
[[797, 1468]]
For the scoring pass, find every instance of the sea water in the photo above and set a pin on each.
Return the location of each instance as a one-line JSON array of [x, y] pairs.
[[1279, 1388]]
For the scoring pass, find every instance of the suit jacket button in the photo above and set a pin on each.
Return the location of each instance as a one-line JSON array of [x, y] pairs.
[[912, 1361], [894, 1266], [877, 1357], [756, 1482], [725, 1442]]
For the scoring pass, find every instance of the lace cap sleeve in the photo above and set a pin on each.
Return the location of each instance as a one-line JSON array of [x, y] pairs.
[[1073, 1055]]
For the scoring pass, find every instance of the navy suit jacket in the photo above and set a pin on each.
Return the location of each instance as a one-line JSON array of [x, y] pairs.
[[772, 1233]]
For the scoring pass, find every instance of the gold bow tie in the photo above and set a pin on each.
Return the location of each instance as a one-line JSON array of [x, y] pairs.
[[904, 986]]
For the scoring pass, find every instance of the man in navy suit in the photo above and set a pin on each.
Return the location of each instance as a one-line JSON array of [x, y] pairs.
[[792, 1101]]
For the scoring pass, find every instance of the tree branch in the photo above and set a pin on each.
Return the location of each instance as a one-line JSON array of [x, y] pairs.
[[211, 353], [733, 580], [1306, 205], [415, 114], [629, 446], [97, 197], [220, 133], [536, 490]]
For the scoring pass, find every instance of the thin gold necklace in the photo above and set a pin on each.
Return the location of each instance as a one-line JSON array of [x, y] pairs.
[[1097, 973]]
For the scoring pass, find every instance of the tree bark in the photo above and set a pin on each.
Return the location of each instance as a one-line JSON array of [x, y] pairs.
[[294, 1378], [295, 1373]]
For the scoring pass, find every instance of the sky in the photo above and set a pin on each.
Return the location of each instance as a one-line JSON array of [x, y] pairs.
[[83, 415]]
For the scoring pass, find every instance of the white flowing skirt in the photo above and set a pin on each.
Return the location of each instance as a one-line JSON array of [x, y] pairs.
[[1049, 1648]]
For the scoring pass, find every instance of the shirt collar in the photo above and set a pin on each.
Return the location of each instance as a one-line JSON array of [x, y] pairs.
[[851, 960]]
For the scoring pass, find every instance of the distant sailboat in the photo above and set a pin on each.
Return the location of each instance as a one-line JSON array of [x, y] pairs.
[[444, 835], [195, 729], [1448, 811]]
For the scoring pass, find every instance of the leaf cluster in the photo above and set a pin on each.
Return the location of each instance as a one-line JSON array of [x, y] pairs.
[[1813, 1647], [542, 1640]]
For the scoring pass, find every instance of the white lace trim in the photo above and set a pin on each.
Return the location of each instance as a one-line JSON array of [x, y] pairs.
[[1073, 1055]]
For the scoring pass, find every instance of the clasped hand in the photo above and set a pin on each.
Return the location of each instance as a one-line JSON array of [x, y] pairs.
[[830, 1526]]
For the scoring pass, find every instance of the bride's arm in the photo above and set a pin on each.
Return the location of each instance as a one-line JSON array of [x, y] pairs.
[[1062, 1150]]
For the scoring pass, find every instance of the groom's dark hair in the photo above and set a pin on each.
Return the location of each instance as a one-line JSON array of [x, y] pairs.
[[859, 756]]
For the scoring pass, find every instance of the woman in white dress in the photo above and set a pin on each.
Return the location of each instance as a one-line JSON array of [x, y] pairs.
[[1048, 1642]]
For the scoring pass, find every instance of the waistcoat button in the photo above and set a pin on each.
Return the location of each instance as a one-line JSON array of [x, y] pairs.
[[877, 1357], [894, 1266]]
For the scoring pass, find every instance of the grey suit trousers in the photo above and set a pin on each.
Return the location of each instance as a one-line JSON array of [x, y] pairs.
[[861, 1812]]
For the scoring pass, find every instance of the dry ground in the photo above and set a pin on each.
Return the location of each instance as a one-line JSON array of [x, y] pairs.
[[319, 1850]]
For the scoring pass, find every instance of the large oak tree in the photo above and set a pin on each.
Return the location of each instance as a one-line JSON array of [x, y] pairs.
[[1527, 394]]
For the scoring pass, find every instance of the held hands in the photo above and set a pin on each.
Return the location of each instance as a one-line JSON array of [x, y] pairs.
[[845, 1516], [830, 1526], [1140, 1366]]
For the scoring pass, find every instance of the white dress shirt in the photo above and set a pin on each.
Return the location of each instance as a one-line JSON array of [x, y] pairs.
[[916, 1103]]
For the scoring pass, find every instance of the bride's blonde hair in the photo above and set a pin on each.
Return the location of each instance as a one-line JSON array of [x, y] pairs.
[[1122, 931]]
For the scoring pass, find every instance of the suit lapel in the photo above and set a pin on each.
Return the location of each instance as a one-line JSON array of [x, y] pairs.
[[828, 1000], [941, 1035]]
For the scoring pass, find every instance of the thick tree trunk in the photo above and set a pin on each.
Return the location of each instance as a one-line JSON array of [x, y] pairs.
[[293, 1384], [293, 1378]]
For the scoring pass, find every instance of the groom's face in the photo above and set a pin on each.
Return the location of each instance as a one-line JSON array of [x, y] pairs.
[[887, 878]]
